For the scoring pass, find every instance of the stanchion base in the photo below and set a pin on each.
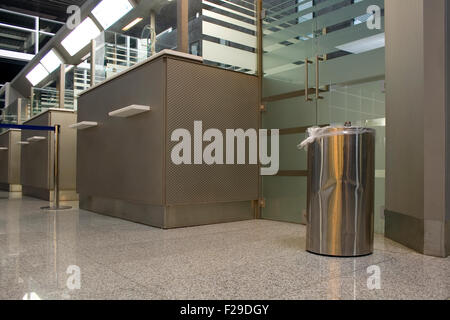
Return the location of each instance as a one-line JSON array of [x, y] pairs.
[[52, 208]]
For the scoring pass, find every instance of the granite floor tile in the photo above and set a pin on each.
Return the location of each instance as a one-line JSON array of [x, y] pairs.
[[255, 259]]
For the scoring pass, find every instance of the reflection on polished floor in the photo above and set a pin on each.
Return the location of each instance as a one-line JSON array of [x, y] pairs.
[[256, 259]]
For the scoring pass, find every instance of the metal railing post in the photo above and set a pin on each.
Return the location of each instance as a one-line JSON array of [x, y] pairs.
[[56, 167]]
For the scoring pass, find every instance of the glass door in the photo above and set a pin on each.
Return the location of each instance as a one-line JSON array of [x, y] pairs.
[[288, 44], [350, 69], [345, 82]]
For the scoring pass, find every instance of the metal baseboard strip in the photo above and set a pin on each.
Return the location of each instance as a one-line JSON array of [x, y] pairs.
[[151, 215], [168, 217]]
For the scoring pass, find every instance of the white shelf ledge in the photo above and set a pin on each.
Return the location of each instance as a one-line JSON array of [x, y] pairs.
[[129, 111], [83, 125], [36, 139], [3, 149], [23, 143]]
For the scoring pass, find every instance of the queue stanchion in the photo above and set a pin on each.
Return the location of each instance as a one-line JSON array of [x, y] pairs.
[[56, 196]]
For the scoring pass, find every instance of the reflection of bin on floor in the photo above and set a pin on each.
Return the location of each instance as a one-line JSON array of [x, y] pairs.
[[341, 166]]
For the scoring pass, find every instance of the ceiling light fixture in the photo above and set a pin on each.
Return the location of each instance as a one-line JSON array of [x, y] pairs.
[[51, 61], [109, 12], [80, 36], [132, 24], [36, 75]]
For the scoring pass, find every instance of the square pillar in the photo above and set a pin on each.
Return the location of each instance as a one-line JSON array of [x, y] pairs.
[[417, 125], [182, 26]]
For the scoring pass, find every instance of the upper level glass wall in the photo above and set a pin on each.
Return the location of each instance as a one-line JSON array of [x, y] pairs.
[[224, 33], [25, 33]]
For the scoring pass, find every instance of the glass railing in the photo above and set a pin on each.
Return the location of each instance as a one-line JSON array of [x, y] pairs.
[[114, 53], [15, 113]]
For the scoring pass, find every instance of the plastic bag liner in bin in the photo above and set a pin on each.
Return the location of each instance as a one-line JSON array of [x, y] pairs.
[[340, 209]]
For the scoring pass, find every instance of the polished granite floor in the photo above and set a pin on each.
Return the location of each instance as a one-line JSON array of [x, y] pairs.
[[256, 259]]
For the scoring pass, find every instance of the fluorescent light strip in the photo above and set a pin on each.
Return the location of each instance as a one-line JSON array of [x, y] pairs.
[[38, 74], [80, 36], [109, 12], [51, 61], [132, 24]]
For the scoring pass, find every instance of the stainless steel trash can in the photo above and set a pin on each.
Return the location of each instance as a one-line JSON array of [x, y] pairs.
[[340, 212]]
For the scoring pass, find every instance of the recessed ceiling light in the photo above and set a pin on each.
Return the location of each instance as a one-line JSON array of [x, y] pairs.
[[38, 74], [132, 24], [109, 12], [80, 36]]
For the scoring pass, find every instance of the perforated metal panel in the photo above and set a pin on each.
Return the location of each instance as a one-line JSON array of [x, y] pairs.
[[124, 165], [37, 157], [221, 99], [122, 158]]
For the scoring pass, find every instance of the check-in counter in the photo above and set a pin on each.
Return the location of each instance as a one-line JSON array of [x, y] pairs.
[[10, 160], [124, 165], [37, 163]]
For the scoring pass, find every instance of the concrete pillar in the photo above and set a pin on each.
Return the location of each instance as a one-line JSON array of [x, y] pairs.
[[182, 26], [417, 135]]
